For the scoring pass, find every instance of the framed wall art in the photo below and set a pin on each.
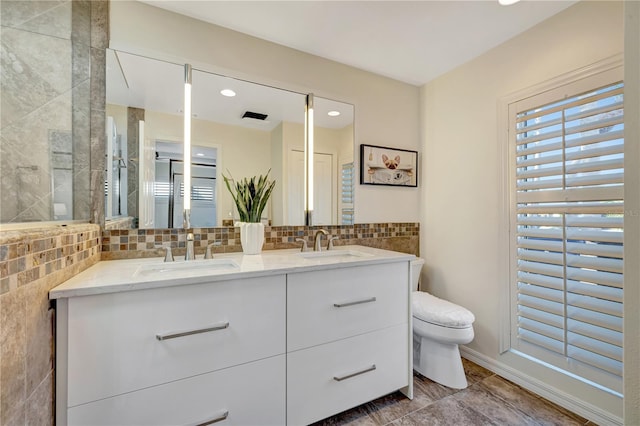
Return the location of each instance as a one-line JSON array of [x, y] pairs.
[[380, 165]]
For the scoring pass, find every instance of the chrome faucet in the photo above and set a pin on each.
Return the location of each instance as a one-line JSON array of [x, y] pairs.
[[209, 253], [189, 255], [304, 244], [168, 255], [317, 239]]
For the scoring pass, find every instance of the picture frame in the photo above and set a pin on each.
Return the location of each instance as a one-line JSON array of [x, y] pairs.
[[380, 165]]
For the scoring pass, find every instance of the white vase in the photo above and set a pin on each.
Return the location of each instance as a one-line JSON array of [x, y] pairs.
[[251, 237]]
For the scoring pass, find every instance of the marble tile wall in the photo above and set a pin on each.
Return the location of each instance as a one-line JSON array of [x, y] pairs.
[[99, 30], [134, 115], [137, 243], [119, 223], [36, 99], [52, 81], [31, 263]]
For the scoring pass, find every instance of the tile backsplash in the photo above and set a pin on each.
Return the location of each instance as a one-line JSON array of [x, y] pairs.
[[133, 243], [28, 255]]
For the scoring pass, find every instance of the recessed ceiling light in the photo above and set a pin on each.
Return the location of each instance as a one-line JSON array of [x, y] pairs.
[[507, 2], [228, 93], [333, 113]]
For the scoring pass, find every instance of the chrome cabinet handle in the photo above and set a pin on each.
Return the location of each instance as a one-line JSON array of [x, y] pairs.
[[357, 373], [174, 334], [357, 302], [216, 419]]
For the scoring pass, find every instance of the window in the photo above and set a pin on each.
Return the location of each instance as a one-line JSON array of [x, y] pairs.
[[566, 179], [347, 191]]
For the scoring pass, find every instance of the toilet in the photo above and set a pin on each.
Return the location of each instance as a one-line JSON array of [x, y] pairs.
[[439, 327]]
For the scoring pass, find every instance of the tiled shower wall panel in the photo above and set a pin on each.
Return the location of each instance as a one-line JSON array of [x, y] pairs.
[[32, 262]]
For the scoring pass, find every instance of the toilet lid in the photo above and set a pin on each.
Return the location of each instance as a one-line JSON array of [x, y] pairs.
[[438, 311]]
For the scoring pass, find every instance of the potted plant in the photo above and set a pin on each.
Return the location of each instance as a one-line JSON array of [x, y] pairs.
[[251, 196]]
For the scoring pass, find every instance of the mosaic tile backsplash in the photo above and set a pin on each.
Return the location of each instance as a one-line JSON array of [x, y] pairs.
[[134, 243]]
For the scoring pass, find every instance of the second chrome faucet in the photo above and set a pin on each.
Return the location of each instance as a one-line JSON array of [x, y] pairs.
[[317, 241]]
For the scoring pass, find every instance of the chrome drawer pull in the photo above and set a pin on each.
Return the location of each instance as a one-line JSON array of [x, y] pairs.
[[216, 419], [357, 302], [173, 335], [357, 373]]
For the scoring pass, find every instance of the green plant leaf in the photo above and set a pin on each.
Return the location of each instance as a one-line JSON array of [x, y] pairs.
[[250, 195]]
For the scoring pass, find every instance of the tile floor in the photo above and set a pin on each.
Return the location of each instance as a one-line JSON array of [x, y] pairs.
[[488, 400]]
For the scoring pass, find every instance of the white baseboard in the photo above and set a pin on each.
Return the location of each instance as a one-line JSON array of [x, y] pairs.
[[538, 387]]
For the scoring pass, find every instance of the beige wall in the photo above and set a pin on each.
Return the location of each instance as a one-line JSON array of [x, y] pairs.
[[386, 111], [461, 215]]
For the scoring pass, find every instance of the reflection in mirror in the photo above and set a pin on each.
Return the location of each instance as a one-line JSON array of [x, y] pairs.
[[169, 186], [144, 105], [333, 162], [242, 143]]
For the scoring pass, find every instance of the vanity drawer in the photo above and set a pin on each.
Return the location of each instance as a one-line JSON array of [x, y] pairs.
[[113, 345], [318, 382], [328, 305], [251, 394]]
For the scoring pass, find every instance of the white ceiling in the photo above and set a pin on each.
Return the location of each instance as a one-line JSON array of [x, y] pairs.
[[411, 41]]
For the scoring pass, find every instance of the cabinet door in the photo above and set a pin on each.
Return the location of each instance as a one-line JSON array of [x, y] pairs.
[[250, 394], [328, 305], [330, 378], [113, 344]]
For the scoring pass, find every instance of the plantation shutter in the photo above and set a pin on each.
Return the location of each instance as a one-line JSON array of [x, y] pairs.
[[567, 182], [347, 192]]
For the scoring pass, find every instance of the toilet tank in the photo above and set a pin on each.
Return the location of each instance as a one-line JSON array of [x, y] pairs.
[[416, 268]]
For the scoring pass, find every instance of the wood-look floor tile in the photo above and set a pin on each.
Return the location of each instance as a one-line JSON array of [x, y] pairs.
[[446, 412], [481, 400], [433, 390], [358, 416], [393, 406], [544, 412], [474, 372]]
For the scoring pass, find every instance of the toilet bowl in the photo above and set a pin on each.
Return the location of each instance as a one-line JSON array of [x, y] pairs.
[[439, 327]]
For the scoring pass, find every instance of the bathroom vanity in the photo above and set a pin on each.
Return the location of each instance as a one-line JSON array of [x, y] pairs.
[[278, 338]]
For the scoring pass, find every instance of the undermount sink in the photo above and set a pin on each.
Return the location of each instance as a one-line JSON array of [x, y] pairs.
[[187, 268], [334, 254]]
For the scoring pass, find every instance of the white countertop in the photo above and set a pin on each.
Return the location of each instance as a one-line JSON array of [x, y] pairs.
[[114, 276]]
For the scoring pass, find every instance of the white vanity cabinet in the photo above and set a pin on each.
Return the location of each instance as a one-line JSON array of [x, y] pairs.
[[138, 354], [280, 340], [348, 334]]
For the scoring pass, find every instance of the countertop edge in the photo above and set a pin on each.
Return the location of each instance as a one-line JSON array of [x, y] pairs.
[[73, 288]]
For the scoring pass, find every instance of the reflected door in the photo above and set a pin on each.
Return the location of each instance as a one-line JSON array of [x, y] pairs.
[[323, 185], [203, 197]]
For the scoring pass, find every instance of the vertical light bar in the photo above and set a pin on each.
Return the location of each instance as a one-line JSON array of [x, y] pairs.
[[187, 147], [308, 161]]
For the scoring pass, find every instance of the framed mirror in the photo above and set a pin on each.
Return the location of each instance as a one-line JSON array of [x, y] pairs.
[[261, 128]]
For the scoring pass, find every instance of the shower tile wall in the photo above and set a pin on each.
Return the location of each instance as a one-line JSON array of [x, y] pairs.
[[45, 83], [134, 116], [36, 99]]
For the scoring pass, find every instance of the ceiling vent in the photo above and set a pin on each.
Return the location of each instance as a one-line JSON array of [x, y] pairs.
[[254, 115]]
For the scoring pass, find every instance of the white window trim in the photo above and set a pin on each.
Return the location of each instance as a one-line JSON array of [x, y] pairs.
[[504, 236]]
